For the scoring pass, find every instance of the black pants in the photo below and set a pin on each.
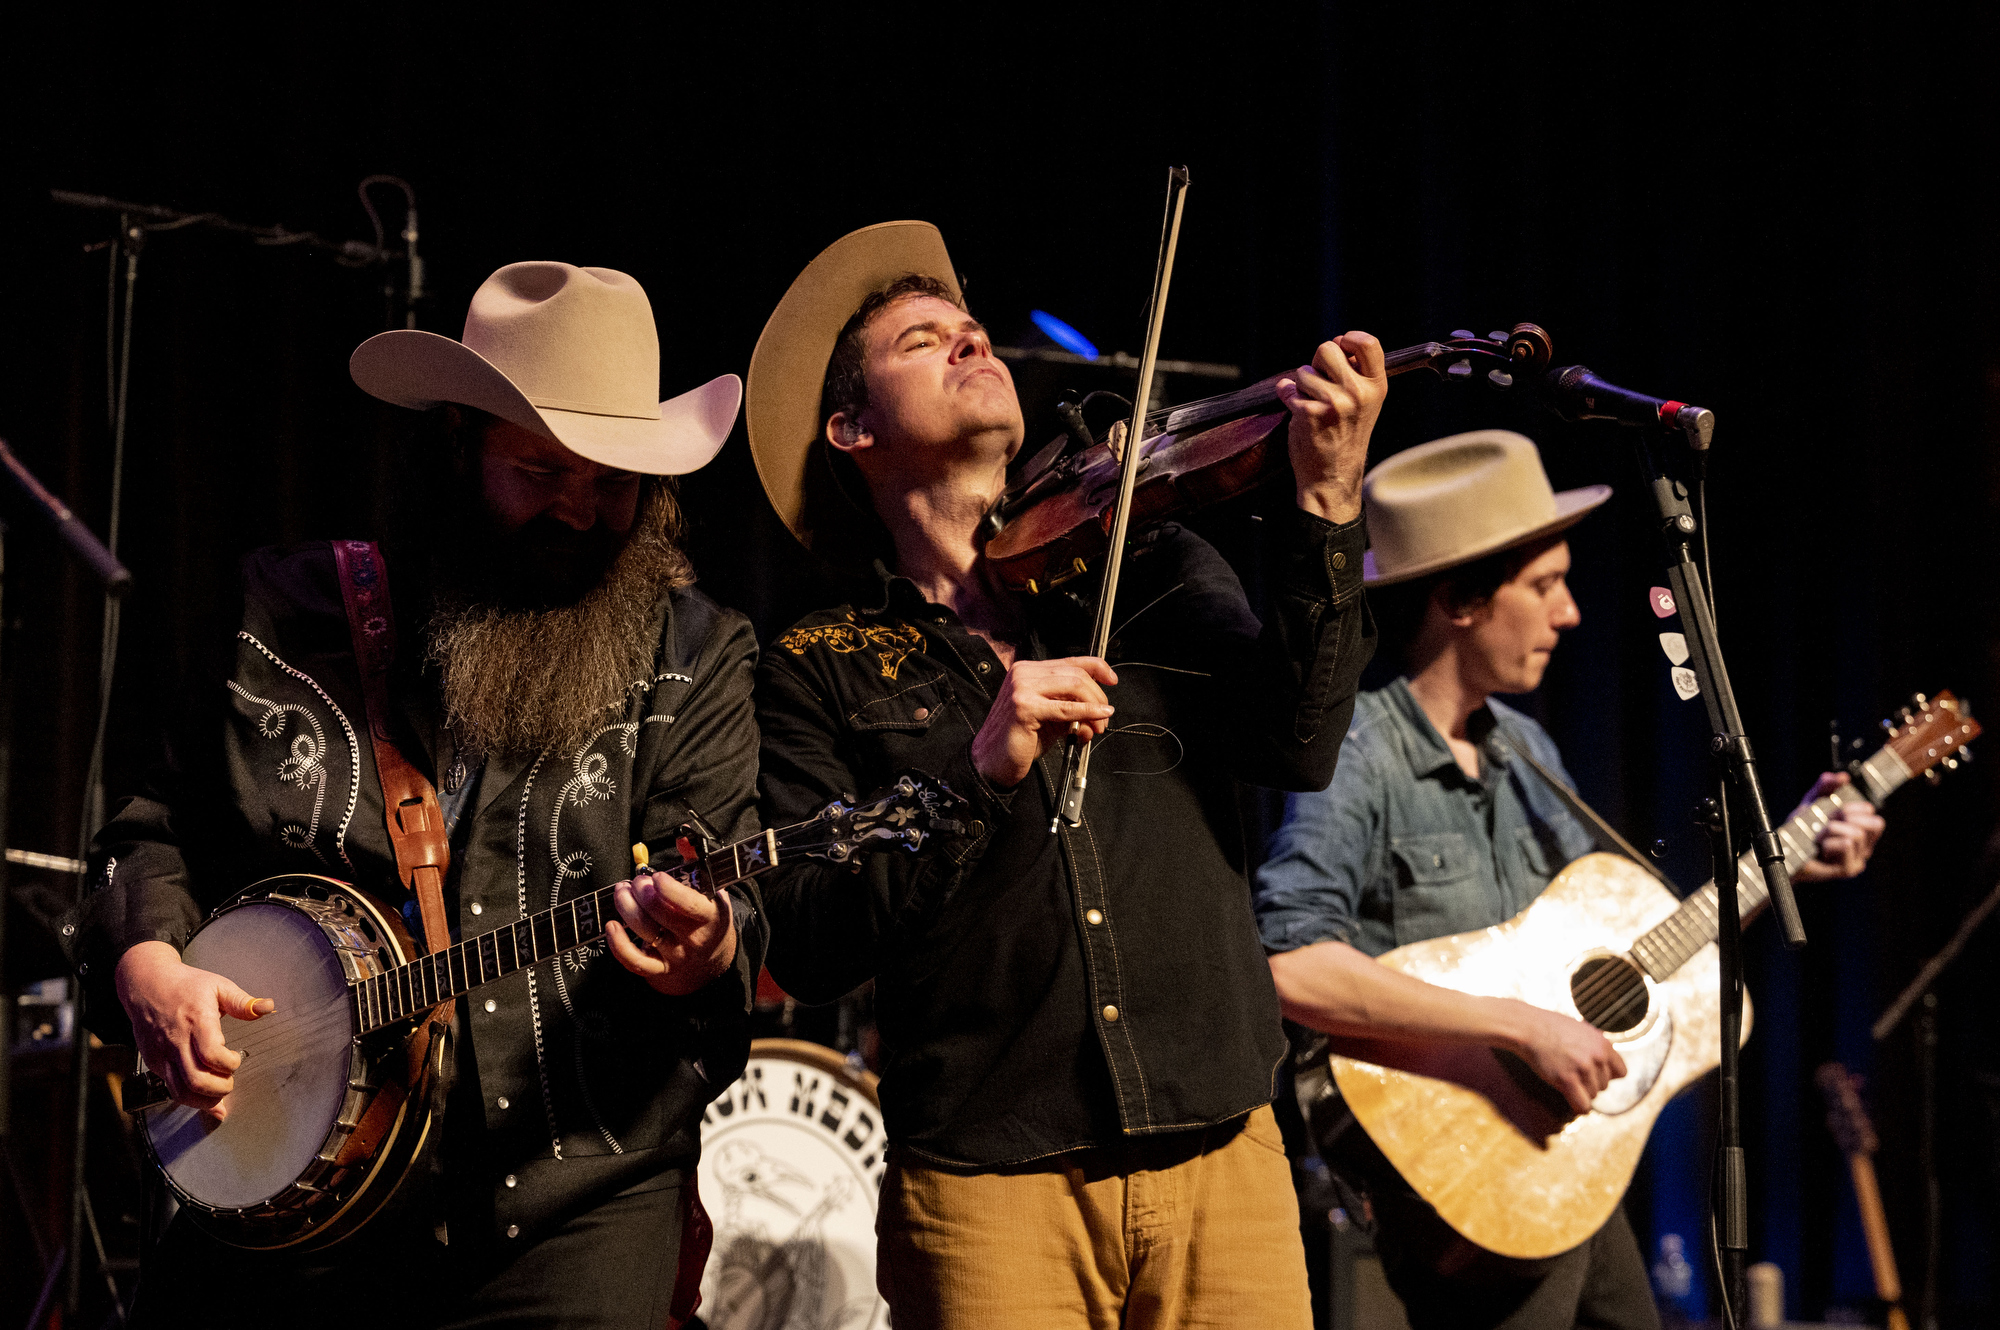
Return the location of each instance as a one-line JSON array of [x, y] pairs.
[[1448, 1284], [612, 1265]]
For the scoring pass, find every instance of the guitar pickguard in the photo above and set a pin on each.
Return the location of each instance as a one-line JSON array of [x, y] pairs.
[[1645, 1052]]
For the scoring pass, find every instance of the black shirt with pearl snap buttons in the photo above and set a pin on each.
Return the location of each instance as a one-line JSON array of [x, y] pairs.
[[1042, 993]]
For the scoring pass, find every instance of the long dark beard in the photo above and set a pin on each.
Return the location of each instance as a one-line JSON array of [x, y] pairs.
[[520, 678]]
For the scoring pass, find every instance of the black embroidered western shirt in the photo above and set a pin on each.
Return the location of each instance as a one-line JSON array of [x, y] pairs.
[[575, 1080], [1039, 993]]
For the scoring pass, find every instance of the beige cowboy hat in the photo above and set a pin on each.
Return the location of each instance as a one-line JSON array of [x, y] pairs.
[[1450, 501], [788, 368], [571, 354]]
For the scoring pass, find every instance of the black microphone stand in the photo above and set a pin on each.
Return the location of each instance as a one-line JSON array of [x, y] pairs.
[[113, 577], [136, 222], [1730, 746], [1921, 992]]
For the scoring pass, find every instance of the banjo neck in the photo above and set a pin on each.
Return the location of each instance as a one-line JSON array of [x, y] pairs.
[[403, 991]]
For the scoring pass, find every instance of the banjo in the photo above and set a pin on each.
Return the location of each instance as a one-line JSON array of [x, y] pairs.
[[333, 1100]]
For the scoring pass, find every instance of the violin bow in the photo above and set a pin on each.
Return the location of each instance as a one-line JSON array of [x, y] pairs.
[[1076, 765]]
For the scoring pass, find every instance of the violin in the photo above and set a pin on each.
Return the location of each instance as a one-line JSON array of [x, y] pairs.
[[1053, 524]]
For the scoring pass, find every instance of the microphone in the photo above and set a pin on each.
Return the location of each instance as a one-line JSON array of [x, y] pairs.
[[112, 575], [1574, 393]]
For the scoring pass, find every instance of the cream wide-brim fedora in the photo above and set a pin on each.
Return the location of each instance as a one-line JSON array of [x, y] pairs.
[[569, 353], [788, 368], [1450, 501]]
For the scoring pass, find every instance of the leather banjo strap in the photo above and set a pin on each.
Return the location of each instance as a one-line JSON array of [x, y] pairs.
[[416, 822]]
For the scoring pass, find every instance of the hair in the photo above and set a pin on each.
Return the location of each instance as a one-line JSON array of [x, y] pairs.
[[1400, 607], [847, 533], [845, 388]]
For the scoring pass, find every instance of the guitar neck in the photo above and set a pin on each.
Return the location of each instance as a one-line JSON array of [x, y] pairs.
[[1667, 947], [399, 993]]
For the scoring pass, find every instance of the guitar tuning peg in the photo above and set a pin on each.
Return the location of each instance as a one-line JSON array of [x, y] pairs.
[[1933, 776], [1964, 755], [1919, 701], [1889, 726], [1951, 764], [1856, 746]]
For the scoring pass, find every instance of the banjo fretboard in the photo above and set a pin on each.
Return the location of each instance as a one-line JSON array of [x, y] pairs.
[[400, 993]]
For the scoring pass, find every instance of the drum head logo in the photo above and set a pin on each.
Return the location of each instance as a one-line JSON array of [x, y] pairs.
[[791, 1164]]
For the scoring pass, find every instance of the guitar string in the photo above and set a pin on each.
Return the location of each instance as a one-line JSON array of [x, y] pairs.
[[1606, 979]]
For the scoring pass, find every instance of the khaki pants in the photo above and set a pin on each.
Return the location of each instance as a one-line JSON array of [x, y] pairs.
[[1196, 1229]]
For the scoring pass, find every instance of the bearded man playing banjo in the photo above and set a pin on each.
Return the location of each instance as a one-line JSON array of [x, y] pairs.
[[569, 693], [1439, 822], [1079, 1032]]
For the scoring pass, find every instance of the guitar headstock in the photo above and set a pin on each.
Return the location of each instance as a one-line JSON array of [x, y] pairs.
[[1505, 356], [1932, 732], [1846, 1116], [903, 816]]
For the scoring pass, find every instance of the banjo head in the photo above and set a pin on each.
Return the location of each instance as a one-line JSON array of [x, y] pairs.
[[294, 1078]]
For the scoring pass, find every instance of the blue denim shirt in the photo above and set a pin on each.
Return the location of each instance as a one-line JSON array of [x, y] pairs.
[[1404, 846]]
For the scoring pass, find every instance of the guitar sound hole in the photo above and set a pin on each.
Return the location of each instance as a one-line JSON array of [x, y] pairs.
[[1610, 993]]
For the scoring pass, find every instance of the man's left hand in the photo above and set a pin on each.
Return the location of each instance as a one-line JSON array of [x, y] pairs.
[[1334, 402], [673, 937], [1846, 842]]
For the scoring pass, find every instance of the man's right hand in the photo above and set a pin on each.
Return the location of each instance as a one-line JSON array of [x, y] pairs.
[[1037, 704], [176, 1013], [1574, 1057]]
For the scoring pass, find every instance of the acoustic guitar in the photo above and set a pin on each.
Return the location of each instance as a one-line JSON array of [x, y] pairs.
[[1848, 1120], [333, 1101], [1474, 1131]]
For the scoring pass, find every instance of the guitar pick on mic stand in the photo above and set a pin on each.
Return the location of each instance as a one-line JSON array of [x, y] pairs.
[[1575, 394]]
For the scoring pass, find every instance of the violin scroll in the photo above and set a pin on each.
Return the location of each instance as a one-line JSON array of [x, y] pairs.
[[1505, 355]]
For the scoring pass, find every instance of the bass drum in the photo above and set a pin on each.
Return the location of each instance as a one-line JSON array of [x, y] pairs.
[[791, 1172]]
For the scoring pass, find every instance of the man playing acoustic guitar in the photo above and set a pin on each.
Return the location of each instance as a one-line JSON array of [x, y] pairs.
[[1079, 1032], [569, 693], [1436, 824]]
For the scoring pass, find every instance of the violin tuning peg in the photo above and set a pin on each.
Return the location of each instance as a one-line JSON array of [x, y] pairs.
[[1459, 369], [1498, 336], [1499, 378], [1464, 334]]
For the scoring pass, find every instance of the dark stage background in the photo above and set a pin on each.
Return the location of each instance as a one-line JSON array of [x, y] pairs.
[[1785, 218]]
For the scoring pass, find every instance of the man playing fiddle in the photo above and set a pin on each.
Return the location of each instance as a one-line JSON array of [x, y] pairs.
[[1080, 1036]]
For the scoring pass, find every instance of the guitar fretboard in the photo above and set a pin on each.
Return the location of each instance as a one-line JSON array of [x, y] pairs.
[[400, 993], [1668, 945]]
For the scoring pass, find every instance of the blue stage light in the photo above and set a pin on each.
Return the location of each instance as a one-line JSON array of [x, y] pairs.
[[1064, 336]]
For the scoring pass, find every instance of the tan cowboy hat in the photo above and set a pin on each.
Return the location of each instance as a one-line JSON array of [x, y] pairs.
[[569, 353], [788, 368], [1450, 501]]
